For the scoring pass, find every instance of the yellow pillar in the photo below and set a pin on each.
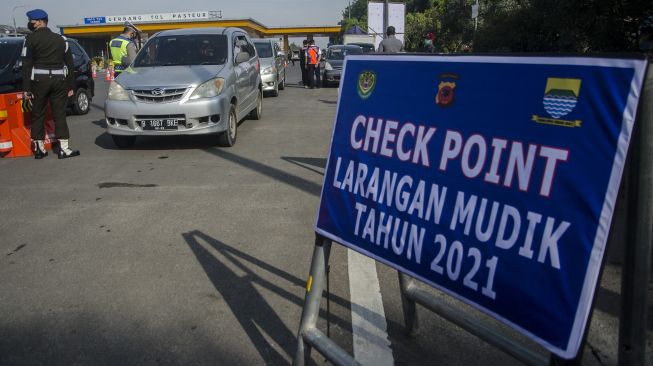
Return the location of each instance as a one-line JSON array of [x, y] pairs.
[[286, 46]]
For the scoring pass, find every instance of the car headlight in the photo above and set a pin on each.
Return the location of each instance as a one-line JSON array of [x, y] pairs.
[[268, 70], [117, 92], [209, 89], [327, 66]]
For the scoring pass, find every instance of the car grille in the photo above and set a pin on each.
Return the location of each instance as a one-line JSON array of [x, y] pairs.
[[159, 95]]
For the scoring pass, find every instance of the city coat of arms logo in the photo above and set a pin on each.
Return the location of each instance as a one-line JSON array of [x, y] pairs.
[[560, 99], [446, 90], [366, 83]]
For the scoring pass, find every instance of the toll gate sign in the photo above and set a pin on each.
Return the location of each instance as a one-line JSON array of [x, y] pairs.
[[493, 179]]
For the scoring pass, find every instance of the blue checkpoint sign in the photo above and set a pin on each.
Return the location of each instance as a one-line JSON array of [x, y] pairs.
[[95, 20], [492, 178]]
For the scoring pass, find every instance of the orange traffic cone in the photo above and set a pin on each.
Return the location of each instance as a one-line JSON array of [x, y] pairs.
[[93, 71], [113, 74], [108, 76]]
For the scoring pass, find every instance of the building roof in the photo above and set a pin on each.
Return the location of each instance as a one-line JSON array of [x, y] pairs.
[[250, 25]]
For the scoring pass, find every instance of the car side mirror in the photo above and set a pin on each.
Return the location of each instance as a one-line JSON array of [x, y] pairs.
[[242, 57], [18, 66]]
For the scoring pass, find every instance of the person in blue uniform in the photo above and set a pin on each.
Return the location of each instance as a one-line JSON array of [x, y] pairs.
[[48, 76]]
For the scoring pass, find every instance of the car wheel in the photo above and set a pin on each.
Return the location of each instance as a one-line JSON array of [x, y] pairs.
[[82, 102], [282, 83], [228, 137], [257, 112], [123, 142]]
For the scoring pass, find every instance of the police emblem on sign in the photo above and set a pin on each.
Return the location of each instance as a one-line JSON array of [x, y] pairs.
[[366, 83], [560, 99], [446, 90]]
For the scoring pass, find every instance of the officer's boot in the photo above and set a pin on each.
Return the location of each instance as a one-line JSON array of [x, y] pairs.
[[38, 149], [63, 151]]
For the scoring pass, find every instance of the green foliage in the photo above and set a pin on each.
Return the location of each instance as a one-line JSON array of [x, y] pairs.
[[562, 26], [418, 6], [448, 20], [358, 18], [417, 26], [519, 25], [358, 10]]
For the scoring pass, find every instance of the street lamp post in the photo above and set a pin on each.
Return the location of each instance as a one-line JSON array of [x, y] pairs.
[[14, 16]]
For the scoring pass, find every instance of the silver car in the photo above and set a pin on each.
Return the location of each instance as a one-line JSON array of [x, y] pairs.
[[186, 82], [273, 65]]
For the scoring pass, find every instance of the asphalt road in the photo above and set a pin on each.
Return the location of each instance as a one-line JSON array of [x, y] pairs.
[[178, 252]]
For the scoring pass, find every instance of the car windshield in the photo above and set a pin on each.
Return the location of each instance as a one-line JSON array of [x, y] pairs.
[[194, 49], [7, 52], [367, 48], [340, 53], [264, 49]]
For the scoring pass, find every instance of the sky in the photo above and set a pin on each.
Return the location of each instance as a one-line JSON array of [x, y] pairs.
[[270, 13]]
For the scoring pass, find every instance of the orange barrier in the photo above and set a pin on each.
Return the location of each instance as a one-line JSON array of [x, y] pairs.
[[15, 123]]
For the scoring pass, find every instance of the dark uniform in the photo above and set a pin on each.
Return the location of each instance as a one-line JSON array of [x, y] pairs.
[[302, 64], [48, 74]]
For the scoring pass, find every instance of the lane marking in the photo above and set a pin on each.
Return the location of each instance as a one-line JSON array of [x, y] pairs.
[[369, 327]]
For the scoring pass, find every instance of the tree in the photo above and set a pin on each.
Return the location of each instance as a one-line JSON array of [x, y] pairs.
[[561, 26], [521, 25], [358, 10]]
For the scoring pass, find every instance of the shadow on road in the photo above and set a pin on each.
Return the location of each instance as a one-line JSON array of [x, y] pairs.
[[306, 163], [274, 173], [257, 318], [253, 312]]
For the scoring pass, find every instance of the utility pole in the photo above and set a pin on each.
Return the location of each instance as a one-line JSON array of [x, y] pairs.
[[386, 20]]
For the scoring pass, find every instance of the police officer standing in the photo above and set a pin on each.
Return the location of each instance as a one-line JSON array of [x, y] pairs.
[[48, 75], [123, 47]]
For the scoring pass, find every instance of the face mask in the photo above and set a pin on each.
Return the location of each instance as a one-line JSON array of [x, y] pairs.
[[31, 26]]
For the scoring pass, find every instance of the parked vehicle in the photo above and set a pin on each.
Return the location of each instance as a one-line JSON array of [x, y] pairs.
[[367, 47], [335, 58], [11, 73], [187, 82], [357, 38], [273, 65]]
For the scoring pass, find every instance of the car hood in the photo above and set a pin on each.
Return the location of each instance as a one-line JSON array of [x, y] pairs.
[[336, 64], [168, 76]]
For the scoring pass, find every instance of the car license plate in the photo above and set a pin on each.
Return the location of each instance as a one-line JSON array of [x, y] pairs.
[[160, 124]]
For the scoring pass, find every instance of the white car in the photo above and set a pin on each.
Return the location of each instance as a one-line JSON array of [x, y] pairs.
[[273, 65]]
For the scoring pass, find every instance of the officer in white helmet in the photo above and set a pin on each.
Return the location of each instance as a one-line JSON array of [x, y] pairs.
[[123, 48]]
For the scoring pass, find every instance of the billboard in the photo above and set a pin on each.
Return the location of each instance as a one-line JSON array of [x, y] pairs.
[[396, 18], [184, 16]]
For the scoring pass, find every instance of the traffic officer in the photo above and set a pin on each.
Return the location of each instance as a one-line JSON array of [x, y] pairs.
[[48, 75], [313, 58], [123, 48]]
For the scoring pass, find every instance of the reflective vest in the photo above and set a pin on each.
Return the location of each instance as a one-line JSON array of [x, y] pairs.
[[118, 48], [313, 52]]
